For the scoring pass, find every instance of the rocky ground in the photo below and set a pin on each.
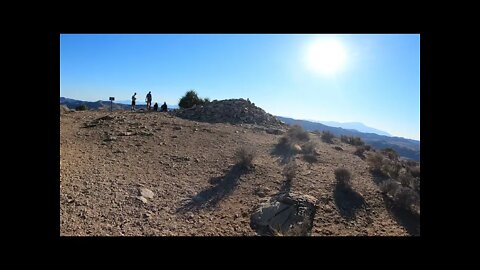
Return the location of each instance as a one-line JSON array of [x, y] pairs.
[[155, 174]]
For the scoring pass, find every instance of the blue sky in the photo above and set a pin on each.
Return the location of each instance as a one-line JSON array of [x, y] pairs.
[[377, 81]]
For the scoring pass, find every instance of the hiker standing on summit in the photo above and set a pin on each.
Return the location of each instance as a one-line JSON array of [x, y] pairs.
[[149, 100], [133, 102]]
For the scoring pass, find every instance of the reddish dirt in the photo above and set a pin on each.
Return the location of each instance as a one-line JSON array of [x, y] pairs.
[[178, 159]]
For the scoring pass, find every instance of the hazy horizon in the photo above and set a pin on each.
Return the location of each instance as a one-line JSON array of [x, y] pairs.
[[371, 79]]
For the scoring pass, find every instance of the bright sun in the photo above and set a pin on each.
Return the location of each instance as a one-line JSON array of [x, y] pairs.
[[325, 57]]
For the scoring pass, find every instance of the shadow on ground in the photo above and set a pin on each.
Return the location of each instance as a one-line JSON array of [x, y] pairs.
[[285, 188], [348, 201], [408, 220], [284, 152], [378, 178], [222, 187]]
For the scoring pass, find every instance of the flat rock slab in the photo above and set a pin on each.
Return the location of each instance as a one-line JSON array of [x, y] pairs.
[[285, 214]]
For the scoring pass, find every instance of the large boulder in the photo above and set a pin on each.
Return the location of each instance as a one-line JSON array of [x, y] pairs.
[[285, 214], [64, 109]]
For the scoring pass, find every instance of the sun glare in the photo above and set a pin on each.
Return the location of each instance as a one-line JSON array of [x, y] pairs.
[[325, 57]]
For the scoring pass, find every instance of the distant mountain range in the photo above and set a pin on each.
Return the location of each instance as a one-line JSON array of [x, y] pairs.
[[404, 147], [101, 104], [355, 126]]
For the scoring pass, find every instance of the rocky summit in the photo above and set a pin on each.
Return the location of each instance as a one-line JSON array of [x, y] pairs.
[[148, 173], [232, 111]]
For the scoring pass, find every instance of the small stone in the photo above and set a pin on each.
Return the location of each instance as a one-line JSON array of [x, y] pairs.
[[142, 199], [147, 193], [297, 148], [110, 138]]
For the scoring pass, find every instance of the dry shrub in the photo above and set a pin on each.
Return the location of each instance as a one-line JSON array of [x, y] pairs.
[[297, 134], [245, 156], [414, 171], [327, 137], [290, 170], [343, 177], [309, 148]]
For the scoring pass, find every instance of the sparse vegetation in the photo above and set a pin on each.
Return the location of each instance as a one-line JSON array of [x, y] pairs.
[[309, 152], [360, 151], [356, 141], [297, 134], [309, 148], [190, 99], [245, 156], [390, 153], [82, 107], [414, 171], [327, 137], [402, 188], [343, 177], [407, 199], [375, 161], [390, 187], [290, 170]]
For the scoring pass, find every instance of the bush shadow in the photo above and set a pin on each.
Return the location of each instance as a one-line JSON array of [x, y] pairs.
[[348, 201], [222, 187], [284, 152], [406, 219]]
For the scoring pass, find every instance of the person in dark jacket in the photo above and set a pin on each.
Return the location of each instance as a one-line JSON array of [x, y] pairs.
[[155, 107], [164, 107], [133, 101]]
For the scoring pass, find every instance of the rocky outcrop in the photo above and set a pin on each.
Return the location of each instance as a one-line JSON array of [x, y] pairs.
[[64, 109], [234, 111], [286, 214]]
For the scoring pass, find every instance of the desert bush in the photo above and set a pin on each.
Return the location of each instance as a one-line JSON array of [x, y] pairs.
[[284, 141], [390, 153], [414, 171], [407, 199], [360, 151], [402, 197], [327, 137], [390, 187], [290, 170], [382, 166], [190, 99], [309, 148], [391, 168], [375, 161], [297, 133], [343, 177], [411, 163], [367, 147], [356, 141], [82, 107], [245, 156], [406, 179]]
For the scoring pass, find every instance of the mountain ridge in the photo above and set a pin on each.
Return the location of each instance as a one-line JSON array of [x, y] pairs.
[[358, 126], [407, 148]]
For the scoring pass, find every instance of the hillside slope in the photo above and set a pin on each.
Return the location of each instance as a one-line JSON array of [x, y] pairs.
[[404, 147], [105, 158]]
